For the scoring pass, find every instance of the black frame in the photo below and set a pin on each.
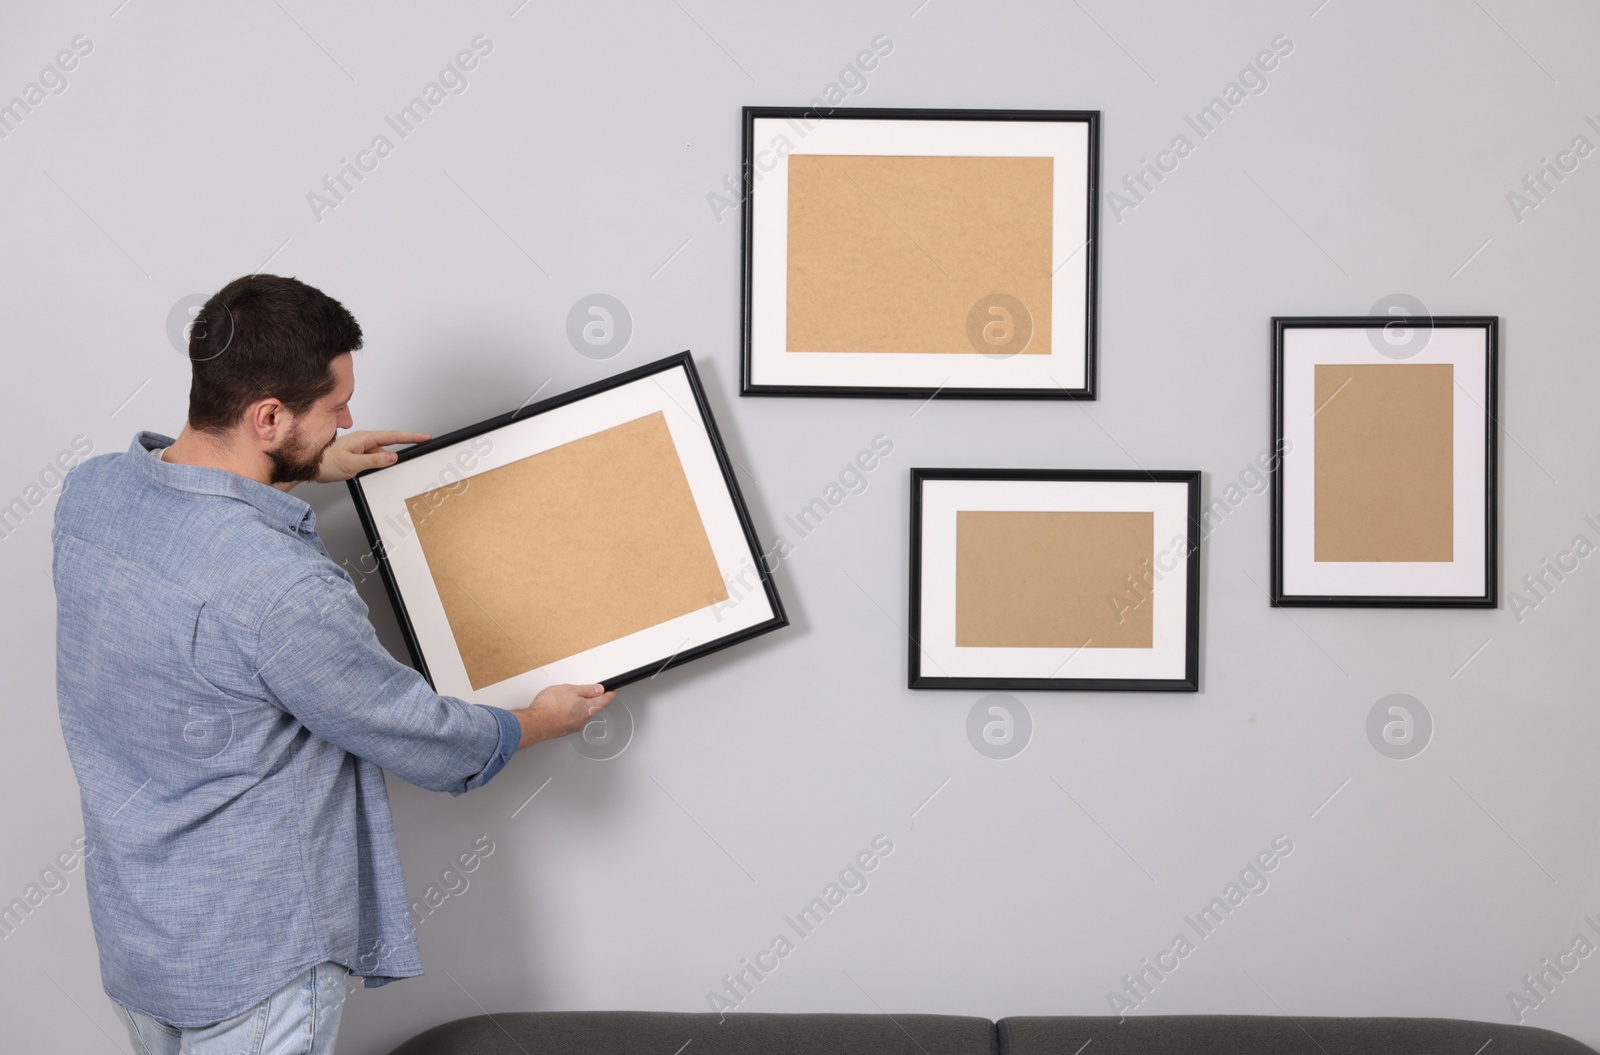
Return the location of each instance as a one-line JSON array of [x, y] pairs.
[[1190, 682], [683, 359], [1092, 248], [1489, 598]]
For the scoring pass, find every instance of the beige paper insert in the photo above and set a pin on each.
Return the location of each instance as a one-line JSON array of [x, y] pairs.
[[1385, 462], [1053, 579], [890, 254], [567, 549]]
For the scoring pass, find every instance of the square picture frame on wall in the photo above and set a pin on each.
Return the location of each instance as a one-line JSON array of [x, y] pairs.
[[920, 252], [1385, 496], [1055, 579]]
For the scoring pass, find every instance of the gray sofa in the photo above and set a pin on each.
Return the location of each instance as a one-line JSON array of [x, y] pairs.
[[668, 1033]]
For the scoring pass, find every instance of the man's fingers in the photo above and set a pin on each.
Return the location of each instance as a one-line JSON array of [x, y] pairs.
[[384, 439], [583, 704], [356, 459]]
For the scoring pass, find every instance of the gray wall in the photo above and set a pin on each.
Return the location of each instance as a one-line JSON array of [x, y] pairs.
[[578, 160]]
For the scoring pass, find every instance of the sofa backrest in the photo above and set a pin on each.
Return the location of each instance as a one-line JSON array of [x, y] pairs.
[[750, 1033], [1275, 1035], [668, 1033]]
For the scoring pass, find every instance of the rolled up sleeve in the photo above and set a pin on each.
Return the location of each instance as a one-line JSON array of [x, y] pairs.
[[319, 658], [510, 737]]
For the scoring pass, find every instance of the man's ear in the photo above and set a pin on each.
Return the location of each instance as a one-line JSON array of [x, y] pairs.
[[269, 422]]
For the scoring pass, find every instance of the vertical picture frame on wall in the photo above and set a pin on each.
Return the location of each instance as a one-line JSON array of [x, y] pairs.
[[919, 253], [1386, 494]]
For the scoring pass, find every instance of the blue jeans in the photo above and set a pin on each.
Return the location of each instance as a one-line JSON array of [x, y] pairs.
[[302, 1018]]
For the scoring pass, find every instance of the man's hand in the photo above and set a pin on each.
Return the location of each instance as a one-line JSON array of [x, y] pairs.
[[560, 710], [355, 452]]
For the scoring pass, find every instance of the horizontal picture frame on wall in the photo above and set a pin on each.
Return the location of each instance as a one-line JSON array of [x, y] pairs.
[[1385, 496], [596, 536], [1069, 579], [918, 253]]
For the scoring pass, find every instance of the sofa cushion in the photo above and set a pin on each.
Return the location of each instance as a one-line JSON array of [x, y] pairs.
[[668, 1033], [1275, 1035]]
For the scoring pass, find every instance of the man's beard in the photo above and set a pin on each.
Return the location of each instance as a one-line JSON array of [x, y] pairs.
[[296, 460]]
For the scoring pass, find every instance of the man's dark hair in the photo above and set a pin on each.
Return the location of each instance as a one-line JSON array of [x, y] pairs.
[[260, 336]]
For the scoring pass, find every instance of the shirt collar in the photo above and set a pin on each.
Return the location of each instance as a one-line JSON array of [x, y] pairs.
[[281, 508]]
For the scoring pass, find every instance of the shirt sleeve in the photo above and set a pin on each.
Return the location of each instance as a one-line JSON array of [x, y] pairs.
[[319, 658], [510, 737]]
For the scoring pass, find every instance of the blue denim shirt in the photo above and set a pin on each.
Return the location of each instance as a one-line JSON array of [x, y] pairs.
[[229, 713]]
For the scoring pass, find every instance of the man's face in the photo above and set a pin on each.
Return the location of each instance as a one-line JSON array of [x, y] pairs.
[[297, 458]]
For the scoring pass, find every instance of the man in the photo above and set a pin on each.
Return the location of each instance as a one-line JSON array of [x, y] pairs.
[[227, 706]]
